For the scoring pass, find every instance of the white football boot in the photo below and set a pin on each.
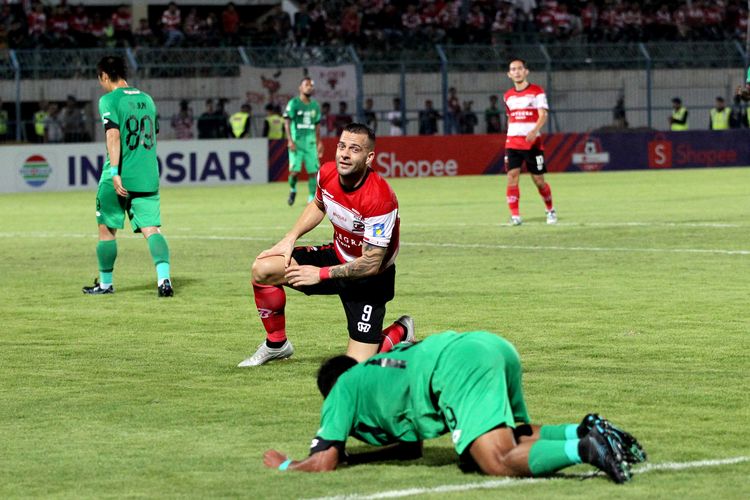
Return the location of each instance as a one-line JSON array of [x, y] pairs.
[[264, 354], [408, 323], [551, 216]]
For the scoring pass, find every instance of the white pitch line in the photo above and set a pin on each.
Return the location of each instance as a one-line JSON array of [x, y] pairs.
[[583, 249], [506, 482], [716, 225], [543, 248]]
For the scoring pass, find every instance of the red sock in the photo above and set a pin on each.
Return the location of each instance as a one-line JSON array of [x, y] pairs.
[[270, 301], [392, 336], [512, 195], [546, 193]]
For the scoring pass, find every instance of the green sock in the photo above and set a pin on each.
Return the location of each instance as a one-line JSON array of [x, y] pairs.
[[293, 183], [106, 253], [312, 185], [546, 456], [559, 432], [159, 249]]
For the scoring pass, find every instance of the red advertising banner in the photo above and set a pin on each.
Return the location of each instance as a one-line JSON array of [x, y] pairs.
[[447, 156], [419, 156]]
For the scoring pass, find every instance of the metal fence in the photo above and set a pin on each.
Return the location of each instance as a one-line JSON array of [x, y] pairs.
[[583, 81]]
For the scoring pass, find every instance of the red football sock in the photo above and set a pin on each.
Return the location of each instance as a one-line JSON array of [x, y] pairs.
[[270, 301], [392, 336], [512, 195], [546, 193]]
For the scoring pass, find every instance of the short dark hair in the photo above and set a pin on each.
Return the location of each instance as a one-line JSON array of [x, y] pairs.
[[514, 59], [362, 129], [330, 371], [306, 78], [114, 67]]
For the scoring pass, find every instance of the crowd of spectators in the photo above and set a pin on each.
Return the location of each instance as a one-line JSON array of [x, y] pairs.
[[36, 25], [375, 24]]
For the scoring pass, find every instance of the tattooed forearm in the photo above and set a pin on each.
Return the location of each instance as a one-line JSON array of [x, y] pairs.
[[366, 265]]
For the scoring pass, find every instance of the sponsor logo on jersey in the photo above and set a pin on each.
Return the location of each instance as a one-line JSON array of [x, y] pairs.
[[358, 227], [522, 113], [35, 170], [378, 229], [363, 327], [339, 216]]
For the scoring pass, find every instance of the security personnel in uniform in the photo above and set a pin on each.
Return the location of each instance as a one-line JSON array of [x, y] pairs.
[[679, 120], [720, 115], [39, 119], [240, 122], [273, 125]]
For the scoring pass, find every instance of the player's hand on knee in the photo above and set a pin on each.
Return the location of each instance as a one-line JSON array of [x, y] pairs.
[[302, 275], [283, 248]]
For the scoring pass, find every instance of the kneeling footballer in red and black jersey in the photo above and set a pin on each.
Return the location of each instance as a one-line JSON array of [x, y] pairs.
[[358, 266]]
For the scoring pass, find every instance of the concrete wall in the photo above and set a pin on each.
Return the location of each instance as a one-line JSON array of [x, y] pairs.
[[579, 100]]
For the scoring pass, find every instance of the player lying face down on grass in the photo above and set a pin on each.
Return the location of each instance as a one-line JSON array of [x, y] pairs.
[[465, 384], [358, 266]]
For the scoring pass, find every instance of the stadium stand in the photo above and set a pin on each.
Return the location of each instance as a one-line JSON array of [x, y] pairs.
[[372, 24]]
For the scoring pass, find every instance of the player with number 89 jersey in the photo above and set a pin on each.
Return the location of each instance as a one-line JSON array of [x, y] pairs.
[[133, 112], [129, 183]]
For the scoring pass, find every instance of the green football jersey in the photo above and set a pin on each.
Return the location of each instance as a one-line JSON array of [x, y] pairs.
[[387, 398], [303, 119], [133, 113]]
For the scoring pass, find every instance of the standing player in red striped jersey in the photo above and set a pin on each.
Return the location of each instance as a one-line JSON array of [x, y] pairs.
[[526, 106], [359, 266]]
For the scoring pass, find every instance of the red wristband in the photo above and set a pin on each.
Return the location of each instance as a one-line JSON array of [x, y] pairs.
[[324, 273]]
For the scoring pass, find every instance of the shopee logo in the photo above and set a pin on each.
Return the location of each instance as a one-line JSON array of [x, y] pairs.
[[387, 165], [660, 154]]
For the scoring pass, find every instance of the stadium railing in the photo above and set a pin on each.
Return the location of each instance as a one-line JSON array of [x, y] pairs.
[[555, 62]]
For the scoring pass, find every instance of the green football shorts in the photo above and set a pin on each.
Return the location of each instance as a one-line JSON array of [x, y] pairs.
[[307, 154], [143, 209], [478, 384]]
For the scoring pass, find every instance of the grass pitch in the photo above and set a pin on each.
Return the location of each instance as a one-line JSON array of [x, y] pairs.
[[635, 305]]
